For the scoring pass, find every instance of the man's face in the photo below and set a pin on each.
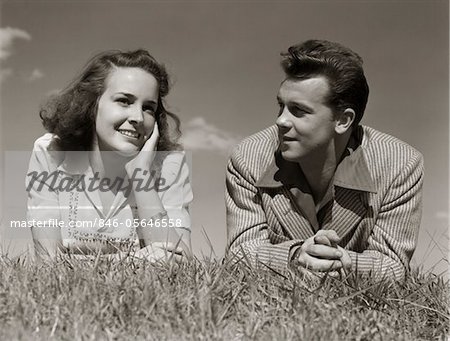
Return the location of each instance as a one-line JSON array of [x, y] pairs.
[[306, 124]]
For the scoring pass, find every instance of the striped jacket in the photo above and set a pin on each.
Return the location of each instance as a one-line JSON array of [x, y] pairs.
[[375, 208]]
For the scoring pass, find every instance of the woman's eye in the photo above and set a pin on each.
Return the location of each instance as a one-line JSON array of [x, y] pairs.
[[123, 101], [149, 110]]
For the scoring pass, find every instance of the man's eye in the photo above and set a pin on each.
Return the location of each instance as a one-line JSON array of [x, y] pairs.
[[296, 111]]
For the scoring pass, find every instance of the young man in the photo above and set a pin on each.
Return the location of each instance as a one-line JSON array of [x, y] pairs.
[[318, 190]]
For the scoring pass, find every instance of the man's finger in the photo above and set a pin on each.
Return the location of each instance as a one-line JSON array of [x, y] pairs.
[[322, 240], [323, 252], [330, 234], [316, 264], [346, 260]]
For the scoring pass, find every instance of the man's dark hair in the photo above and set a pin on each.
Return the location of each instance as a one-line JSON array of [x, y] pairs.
[[341, 66]]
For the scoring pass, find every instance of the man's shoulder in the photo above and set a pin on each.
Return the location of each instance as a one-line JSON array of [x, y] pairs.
[[376, 140], [384, 149], [256, 152], [267, 138], [261, 144]]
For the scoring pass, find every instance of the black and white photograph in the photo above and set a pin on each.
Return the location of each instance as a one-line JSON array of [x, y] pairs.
[[224, 170]]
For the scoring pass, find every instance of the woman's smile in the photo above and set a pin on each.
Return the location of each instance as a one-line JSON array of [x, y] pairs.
[[129, 133]]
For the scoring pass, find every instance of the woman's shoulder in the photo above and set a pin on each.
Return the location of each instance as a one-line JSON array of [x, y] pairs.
[[46, 153], [46, 142]]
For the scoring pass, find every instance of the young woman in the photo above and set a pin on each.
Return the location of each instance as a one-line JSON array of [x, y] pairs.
[[109, 176]]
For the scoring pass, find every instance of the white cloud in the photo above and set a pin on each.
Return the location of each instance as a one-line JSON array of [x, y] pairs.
[[52, 92], [35, 75], [200, 135], [442, 215], [7, 37]]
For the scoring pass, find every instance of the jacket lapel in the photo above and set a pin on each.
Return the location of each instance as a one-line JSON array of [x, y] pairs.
[[348, 210], [304, 204], [295, 224], [352, 184], [292, 203]]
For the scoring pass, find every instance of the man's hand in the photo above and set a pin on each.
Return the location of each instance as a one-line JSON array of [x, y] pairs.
[[321, 253], [345, 260]]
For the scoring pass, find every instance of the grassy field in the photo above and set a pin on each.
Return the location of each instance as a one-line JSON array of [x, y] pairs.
[[206, 300]]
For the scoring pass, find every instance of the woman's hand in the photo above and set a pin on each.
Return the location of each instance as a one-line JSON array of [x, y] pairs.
[[143, 160], [159, 251], [47, 241]]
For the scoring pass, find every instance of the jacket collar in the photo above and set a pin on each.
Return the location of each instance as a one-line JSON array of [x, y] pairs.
[[351, 173]]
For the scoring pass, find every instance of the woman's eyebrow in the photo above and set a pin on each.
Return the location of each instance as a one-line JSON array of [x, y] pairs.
[[126, 94]]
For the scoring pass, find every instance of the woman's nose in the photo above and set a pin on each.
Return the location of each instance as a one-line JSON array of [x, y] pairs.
[[135, 115]]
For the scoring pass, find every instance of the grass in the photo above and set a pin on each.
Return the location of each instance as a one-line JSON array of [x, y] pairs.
[[208, 300]]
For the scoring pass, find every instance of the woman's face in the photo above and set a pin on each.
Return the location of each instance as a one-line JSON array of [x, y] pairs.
[[126, 110]]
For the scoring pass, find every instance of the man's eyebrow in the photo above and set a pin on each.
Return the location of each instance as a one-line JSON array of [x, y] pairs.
[[301, 106]]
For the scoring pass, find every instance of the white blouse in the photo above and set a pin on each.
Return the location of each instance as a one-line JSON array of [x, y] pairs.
[[63, 191]]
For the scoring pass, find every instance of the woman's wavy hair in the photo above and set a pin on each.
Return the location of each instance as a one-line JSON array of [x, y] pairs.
[[71, 113]]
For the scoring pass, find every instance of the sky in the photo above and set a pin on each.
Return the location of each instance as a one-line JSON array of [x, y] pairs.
[[223, 58]]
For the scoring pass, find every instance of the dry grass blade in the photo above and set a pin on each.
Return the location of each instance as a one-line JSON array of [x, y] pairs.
[[105, 298]]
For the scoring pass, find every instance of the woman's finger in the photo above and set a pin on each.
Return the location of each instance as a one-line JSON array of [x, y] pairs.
[[169, 247], [152, 141]]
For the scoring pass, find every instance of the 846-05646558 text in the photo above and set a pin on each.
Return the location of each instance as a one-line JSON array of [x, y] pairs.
[[151, 223]]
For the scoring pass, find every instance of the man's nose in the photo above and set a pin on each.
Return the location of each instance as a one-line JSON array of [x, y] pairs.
[[283, 121]]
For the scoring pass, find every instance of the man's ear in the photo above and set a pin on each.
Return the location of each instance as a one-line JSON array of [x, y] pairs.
[[345, 120]]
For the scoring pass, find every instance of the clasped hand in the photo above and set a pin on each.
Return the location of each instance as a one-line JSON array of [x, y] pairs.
[[321, 253]]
